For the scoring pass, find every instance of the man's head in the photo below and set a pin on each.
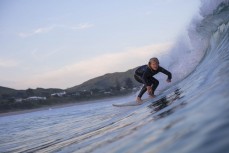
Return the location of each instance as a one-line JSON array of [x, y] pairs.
[[153, 63]]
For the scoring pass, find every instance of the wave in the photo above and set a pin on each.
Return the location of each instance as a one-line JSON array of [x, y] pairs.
[[190, 48]]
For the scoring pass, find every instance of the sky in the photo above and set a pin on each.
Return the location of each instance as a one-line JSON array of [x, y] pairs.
[[60, 44]]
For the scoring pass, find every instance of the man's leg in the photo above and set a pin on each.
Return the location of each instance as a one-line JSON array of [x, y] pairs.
[[143, 90], [154, 85], [138, 78]]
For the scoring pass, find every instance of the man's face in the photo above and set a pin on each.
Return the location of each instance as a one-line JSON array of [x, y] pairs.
[[154, 65]]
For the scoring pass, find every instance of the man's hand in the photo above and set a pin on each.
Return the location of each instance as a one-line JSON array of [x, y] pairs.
[[168, 80], [149, 89]]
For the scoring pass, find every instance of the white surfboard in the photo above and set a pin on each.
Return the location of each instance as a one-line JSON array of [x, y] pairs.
[[131, 103]]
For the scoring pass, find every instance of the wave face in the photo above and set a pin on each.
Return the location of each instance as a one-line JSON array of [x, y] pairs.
[[189, 49], [191, 116]]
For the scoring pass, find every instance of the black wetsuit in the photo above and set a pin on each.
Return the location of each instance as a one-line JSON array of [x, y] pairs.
[[144, 75]]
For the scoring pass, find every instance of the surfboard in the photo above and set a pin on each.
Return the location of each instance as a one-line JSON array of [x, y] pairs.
[[131, 103]]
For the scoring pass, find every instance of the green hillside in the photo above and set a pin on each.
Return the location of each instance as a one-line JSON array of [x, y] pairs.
[[4, 90], [108, 85], [109, 81], [8, 93]]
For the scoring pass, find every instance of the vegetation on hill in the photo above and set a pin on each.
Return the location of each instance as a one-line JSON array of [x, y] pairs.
[[108, 85], [108, 81]]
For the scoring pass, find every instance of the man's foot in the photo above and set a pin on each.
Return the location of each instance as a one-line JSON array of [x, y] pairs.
[[139, 100], [152, 96]]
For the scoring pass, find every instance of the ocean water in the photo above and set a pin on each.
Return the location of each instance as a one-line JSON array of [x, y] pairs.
[[190, 116]]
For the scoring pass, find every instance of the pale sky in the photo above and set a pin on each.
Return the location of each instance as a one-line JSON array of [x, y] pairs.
[[60, 44]]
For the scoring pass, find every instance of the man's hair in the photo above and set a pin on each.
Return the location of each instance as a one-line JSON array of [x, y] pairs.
[[154, 59]]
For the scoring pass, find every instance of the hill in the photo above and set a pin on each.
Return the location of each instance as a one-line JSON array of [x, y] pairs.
[[108, 81], [8, 93], [5, 90], [108, 85]]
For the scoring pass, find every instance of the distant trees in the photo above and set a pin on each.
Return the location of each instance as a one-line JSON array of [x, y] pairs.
[[29, 92], [95, 90], [20, 94], [26, 99], [117, 85], [5, 96], [45, 94]]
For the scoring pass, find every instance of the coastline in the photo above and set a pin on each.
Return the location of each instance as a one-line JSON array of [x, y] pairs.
[[56, 106]]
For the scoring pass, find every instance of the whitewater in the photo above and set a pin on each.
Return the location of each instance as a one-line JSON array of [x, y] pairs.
[[191, 115]]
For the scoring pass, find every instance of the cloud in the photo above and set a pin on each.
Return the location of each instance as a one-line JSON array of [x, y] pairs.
[[36, 31], [8, 63], [47, 29], [83, 26], [39, 55], [43, 30], [24, 35], [79, 72]]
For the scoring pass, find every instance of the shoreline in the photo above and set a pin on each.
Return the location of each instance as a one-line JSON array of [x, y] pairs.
[[17, 112]]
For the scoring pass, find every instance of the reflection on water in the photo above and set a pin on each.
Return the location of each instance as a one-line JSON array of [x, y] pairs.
[[165, 102]]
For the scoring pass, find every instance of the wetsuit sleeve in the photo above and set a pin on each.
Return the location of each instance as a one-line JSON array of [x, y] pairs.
[[137, 72], [166, 72], [145, 77]]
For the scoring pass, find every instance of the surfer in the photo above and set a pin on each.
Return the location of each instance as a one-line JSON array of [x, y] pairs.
[[144, 74]]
